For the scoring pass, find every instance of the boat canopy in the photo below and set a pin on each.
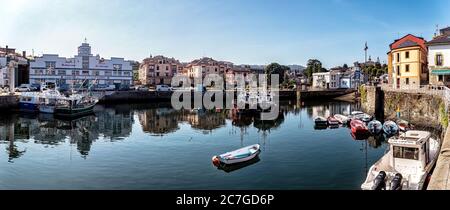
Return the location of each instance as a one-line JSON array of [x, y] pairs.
[[411, 138]]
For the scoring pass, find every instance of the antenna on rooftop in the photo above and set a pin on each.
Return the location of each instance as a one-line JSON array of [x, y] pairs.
[[85, 40]]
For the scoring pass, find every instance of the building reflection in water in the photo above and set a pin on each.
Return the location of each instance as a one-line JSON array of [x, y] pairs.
[[49, 131], [115, 123]]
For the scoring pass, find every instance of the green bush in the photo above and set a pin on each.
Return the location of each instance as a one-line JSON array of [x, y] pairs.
[[363, 93]]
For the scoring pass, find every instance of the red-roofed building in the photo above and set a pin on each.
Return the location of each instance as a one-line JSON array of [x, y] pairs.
[[407, 62]]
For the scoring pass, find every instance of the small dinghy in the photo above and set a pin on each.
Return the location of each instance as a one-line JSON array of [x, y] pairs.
[[361, 116], [390, 128], [237, 156], [404, 125], [358, 127], [320, 120], [341, 118], [375, 127], [332, 121], [357, 113]]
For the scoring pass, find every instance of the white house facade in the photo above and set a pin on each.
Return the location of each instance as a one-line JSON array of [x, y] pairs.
[[83, 68], [439, 58], [321, 80]]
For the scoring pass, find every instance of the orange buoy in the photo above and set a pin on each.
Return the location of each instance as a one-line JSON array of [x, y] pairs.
[[216, 161]]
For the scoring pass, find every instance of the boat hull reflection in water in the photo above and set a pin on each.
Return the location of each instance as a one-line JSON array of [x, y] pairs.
[[237, 166]]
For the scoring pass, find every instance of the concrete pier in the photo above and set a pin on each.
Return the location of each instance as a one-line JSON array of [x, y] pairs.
[[440, 180]]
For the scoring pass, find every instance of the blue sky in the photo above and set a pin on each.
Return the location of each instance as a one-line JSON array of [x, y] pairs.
[[240, 31]]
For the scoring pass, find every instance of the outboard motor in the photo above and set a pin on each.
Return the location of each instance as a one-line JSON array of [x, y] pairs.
[[380, 181], [396, 183]]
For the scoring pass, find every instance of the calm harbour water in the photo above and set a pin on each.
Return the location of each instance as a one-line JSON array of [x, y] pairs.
[[155, 147]]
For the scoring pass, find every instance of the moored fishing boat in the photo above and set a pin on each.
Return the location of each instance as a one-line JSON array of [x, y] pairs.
[[358, 127], [30, 101], [390, 128], [406, 165], [375, 127], [237, 156], [75, 105]]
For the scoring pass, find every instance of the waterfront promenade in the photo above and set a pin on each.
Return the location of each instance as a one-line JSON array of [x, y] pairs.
[[440, 179]]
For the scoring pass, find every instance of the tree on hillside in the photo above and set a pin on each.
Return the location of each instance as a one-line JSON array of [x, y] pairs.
[[345, 66], [275, 68], [313, 66]]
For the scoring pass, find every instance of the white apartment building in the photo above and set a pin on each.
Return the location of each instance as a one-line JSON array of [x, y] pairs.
[[83, 68], [321, 80], [439, 58]]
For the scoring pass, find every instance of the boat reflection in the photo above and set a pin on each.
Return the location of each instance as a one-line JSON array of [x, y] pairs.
[[238, 166]]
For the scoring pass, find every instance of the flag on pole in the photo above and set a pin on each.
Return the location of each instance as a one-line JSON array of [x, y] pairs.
[[366, 47]]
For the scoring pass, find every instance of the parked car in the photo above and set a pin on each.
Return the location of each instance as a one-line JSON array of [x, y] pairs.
[[24, 88], [163, 88], [141, 88]]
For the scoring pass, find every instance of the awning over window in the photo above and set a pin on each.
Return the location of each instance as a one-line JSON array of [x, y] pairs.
[[441, 72]]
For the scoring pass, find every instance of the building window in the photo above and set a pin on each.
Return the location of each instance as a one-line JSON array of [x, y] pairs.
[[50, 64], [157, 68], [439, 60], [108, 73], [85, 73], [440, 78], [407, 68], [407, 81], [407, 55], [167, 68], [157, 74], [398, 57], [96, 73], [61, 72], [406, 153], [398, 70]]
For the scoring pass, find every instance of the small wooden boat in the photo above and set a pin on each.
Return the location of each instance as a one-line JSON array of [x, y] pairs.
[[332, 121], [404, 125], [358, 127], [238, 166], [361, 116], [320, 120], [341, 118], [354, 113], [237, 156], [375, 127], [390, 128]]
